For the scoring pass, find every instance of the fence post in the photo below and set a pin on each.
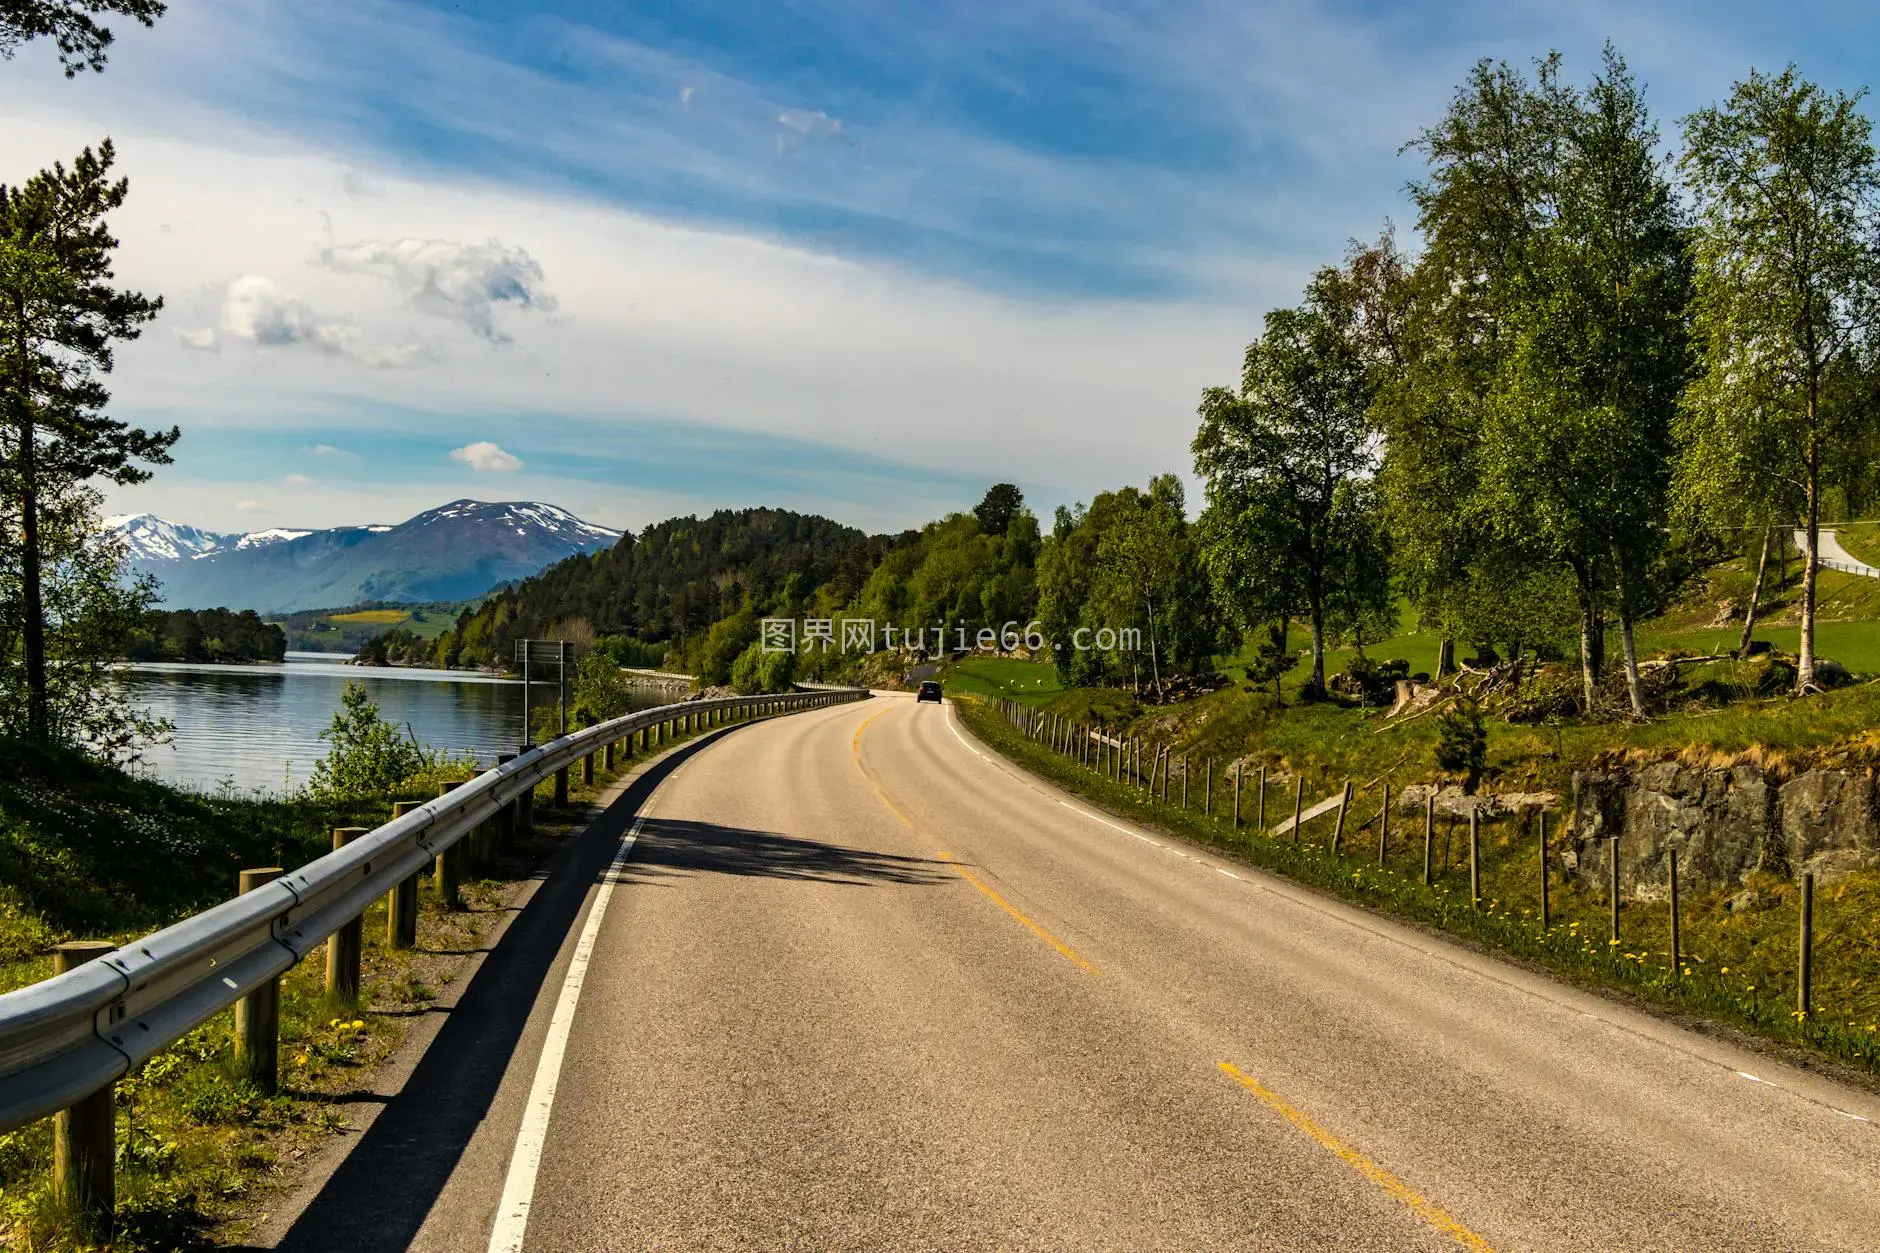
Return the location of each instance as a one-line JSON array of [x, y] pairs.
[[84, 1137], [1299, 803], [1207, 788], [258, 1014], [1612, 852], [1677, 960], [1429, 833], [1338, 829], [1805, 963], [607, 756], [1475, 857], [1259, 817], [561, 788], [342, 947], [1238, 768], [1383, 825], [522, 825], [1546, 921], [401, 903], [450, 864]]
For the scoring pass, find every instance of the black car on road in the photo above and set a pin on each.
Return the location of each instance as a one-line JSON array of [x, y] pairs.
[[929, 690]]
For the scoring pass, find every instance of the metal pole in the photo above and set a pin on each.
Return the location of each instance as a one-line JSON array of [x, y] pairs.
[[528, 728], [1429, 833], [1612, 851], [561, 676], [1546, 920], [1677, 952], [1805, 964], [1475, 857]]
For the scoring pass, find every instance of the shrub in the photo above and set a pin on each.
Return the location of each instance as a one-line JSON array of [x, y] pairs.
[[369, 756]]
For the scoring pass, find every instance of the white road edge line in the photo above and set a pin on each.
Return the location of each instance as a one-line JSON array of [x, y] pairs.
[[512, 1213]]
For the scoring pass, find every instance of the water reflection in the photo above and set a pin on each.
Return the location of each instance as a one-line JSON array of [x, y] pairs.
[[258, 727]]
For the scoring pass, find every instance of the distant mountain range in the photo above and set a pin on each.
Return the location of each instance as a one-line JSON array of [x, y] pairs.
[[457, 551]]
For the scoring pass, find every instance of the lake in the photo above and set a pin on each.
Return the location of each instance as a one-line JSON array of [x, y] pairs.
[[258, 727]]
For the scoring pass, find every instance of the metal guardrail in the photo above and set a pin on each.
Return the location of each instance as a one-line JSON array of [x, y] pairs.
[[71, 1035]]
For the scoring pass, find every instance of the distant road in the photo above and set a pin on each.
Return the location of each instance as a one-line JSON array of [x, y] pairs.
[[861, 985], [1834, 556]]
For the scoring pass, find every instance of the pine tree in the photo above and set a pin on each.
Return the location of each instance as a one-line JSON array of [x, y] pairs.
[[59, 318]]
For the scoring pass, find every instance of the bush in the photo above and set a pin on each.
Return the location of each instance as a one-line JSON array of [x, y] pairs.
[[757, 671], [369, 756], [1462, 743]]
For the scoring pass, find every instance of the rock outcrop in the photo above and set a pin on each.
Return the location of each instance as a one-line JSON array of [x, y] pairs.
[[1724, 823]]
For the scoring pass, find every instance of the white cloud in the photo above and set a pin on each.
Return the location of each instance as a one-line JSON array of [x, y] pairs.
[[809, 122], [485, 456], [462, 282], [298, 480], [257, 310], [251, 506], [327, 450], [202, 339]]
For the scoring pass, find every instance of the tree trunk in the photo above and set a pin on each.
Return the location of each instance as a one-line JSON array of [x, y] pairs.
[[1811, 563], [33, 629], [1589, 665], [1633, 686], [1318, 648], [1445, 656], [1755, 594], [1155, 669]]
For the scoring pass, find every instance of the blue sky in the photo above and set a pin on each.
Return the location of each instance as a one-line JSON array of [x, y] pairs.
[[841, 256]]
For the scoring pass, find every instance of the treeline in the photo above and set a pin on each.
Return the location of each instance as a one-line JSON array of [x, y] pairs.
[[205, 635], [1604, 367]]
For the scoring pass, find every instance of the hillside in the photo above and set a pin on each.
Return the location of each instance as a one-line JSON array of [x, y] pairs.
[[675, 579], [452, 553]]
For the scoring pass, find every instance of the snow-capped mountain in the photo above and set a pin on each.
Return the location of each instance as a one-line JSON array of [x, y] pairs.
[[454, 552]]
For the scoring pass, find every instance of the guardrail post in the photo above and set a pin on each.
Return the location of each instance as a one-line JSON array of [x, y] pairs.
[[450, 863], [258, 1015], [561, 788], [401, 903], [522, 824], [342, 947], [84, 1137], [607, 757]]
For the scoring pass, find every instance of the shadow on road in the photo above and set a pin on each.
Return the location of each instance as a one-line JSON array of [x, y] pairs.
[[670, 847], [379, 1196]]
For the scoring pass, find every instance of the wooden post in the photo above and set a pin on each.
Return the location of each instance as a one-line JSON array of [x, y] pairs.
[[450, 864], [1299, 803], [342, 947], [258, 1014], [1184, 782], [1475, 856], [1259, 817], [607, 756], [1207, 788], [84, 1136], [1805, 957], [1238, 768], [1383, 825], [1677, 952], [1612, 851], [1429, 832], [587, 769], [1546, 919], [401, 903], [561, 788], [1338, 829]]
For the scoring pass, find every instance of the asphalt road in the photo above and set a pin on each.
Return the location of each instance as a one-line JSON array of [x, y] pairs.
[[859, 984]]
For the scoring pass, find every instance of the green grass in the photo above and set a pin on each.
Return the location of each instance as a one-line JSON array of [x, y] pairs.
[[1034, 682], [1738, 967]]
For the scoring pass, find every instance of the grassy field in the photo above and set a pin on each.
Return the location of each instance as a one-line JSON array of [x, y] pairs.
[[373, 617], [343, 631]]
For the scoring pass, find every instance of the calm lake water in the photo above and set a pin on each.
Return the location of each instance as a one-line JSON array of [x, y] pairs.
[[258, 727]]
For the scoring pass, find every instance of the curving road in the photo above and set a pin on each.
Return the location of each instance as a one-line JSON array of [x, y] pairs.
[[859, 984]]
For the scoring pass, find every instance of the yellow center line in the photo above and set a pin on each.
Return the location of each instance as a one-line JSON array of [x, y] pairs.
[[1006, 905], [1426, 1209]]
